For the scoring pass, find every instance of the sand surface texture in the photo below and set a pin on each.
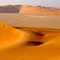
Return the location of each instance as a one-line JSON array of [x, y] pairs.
[[29, 37], [26, 43]]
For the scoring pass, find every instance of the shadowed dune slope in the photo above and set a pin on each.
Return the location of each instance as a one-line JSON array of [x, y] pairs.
[[17, 6], [9, 9], [26, 9], [24, 43]]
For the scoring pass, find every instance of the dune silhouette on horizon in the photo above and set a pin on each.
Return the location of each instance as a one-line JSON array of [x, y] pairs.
[[26, 9]]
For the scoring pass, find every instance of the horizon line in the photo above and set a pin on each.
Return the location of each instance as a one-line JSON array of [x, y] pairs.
[[28, 5]]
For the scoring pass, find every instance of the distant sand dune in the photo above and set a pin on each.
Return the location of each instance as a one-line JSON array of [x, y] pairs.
[[39, 10], [8, 9], [26, 9], [26, 43]]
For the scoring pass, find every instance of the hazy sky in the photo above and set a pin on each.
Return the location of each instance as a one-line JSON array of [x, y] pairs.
[[48, 3]]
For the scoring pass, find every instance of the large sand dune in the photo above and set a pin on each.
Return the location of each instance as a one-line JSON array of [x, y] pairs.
[[24, 43], [29, 37], [26, 9], [39, 10]]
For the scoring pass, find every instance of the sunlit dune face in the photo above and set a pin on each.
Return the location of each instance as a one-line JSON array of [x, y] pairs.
[[24, 43], [39, 10], [10, 36]]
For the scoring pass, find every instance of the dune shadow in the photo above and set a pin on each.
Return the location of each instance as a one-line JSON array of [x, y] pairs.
[[34, 43]]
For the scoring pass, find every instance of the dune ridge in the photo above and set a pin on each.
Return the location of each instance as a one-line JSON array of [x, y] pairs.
[[16, 36], [26, 9], [12, 38]]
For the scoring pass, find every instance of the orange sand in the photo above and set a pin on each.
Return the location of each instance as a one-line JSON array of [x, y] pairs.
[[14, 43]]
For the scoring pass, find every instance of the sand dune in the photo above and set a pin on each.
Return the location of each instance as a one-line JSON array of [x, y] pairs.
[[11, 36], [39, 10], [24, 43], [26, 9], [8, 9]]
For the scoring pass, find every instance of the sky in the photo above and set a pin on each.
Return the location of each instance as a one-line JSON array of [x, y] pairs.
[[47, 3]]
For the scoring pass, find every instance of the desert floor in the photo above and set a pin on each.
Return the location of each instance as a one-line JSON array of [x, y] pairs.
[[49, 50], [25, 20]]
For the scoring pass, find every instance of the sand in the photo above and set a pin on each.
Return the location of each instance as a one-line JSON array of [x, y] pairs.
[[26, 9], [25, 20], [26, 42], [29, 43], [39, 10]]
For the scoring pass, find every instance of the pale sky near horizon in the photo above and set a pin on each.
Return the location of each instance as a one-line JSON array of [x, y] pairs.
[[47, 3]]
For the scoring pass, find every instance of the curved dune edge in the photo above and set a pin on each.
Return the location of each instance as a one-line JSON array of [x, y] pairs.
[[14, 43], [10, 36]]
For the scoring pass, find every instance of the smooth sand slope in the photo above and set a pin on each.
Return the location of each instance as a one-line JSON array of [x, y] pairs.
[[24, 43], [26, 9]]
